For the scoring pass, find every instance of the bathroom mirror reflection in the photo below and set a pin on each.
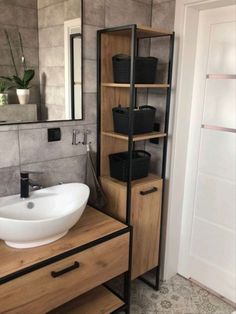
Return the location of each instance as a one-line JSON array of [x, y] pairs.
[[41, 61]]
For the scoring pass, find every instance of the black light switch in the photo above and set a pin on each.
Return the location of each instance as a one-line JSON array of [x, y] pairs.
[[54, 134]]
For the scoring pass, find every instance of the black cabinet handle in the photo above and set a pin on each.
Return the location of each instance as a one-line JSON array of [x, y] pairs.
[[149, 191], [55, 274]]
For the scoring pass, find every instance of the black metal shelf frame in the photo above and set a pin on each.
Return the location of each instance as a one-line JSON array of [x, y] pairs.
[[134, 52]]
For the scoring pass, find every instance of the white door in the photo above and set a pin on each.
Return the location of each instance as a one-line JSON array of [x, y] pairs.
[[208, 236]]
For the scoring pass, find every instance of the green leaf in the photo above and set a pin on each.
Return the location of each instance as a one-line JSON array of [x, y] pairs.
[[5, 85], [9, 79], [28, 76], [19, 83]]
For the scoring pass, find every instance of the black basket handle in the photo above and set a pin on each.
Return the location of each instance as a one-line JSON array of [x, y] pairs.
[[143, 152], [121, 57], [147, 107], [120, 109]]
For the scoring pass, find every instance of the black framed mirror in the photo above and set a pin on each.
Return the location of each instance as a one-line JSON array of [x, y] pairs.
[[41, 73]]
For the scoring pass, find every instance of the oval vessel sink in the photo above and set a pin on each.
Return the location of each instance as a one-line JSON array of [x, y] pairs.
[[44, 217]]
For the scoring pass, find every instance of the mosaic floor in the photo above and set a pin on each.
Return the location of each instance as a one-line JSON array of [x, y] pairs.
[[176, 296]]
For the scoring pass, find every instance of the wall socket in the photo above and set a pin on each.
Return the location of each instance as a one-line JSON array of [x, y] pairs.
[[54, 134]]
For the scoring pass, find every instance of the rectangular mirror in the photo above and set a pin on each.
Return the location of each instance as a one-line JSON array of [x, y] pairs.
[[41, 61]]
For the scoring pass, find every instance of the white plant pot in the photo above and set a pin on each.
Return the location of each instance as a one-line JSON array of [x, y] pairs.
[[23, 96], [3, 99]]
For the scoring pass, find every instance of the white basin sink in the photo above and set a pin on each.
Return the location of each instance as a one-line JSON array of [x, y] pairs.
[[44, 217]]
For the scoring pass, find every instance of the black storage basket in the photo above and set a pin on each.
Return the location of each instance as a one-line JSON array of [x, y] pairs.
[[119, 165], [145, 69], [144, 119]]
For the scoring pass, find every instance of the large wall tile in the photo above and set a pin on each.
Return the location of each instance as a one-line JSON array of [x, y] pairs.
[[15, 15], [34, 146], [46, 3], [52, 36], [122, 12], [163, 15], [29, 36], [90, 78], [94, 12], [7, 15], [51, 15], [72, 9], [51, 95], [52, 76], [145, 1], [10, 181], [9, 127], [53, 57], [159, 1], [55, 112], [90, 107], [60, 170], [30, 21], [26, 3], [9, 149], [90, 42]]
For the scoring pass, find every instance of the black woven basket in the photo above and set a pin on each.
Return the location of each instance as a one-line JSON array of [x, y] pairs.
[[145, 69], [144, 119], [119, 165]]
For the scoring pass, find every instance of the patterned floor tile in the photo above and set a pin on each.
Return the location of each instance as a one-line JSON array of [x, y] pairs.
[[176, 296]]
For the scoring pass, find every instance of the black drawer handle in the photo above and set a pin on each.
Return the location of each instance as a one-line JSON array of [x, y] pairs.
[[149, 191], [55, 274]]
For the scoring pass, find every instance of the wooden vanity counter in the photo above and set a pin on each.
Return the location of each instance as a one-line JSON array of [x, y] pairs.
[[92, 225], [71, 269]]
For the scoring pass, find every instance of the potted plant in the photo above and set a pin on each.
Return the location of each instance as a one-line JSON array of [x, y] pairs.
[[21, 82], [4, 87], [22, 86]]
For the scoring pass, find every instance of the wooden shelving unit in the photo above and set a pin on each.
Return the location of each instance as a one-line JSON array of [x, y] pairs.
[[138, 202]]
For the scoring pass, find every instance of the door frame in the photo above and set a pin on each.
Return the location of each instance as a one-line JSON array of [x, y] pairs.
[[186, 24]]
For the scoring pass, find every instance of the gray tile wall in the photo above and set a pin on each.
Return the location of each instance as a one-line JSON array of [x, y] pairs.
[[13, 18], [25, 147]]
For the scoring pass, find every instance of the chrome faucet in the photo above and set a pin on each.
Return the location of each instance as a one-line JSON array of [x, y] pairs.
[[26, 183]]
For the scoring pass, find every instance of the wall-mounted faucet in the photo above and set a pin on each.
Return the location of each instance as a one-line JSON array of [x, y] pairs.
[[25, 183]]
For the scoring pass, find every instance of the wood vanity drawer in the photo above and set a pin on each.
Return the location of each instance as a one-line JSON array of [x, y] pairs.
[[53, 285]]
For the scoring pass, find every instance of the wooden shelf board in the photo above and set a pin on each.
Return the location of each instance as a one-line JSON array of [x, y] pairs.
[[148, 32], [97, 301], [118, 85], [142, 32], [136, 138], [149, 179], [92, 225]]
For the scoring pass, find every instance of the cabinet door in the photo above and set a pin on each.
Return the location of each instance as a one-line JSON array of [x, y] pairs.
[[146, 217]]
